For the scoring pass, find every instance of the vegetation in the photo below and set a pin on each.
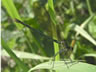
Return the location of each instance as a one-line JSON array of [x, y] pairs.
[[70, 22]]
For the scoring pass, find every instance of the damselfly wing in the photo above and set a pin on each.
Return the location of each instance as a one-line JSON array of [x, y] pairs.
[[65, 47]]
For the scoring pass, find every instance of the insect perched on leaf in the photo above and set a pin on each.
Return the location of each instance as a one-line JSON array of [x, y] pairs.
[[65, 47]]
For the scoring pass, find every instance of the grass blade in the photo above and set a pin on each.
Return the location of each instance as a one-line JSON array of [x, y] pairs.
[[53, 18], [84, 34], [52, 11], [91, 54], [89, 7], [26, 55], [16, 59], [61, 67], [85, 23], [11, 9]]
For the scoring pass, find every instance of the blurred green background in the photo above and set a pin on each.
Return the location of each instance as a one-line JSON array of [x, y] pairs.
[[35, 13]]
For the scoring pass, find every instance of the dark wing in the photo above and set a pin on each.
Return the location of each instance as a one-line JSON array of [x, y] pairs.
[[37, 31]]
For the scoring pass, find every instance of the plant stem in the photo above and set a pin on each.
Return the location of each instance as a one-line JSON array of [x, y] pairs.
[[89, 7], [53, 18]]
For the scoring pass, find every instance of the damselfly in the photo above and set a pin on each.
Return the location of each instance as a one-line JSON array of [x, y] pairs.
[[63, 44]]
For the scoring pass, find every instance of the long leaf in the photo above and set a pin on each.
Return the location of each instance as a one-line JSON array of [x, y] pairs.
[[85, 23], [53, 18], [90, 54], [11, 9], [52, 11], [16, 59], [25, 55], [84, 34], [61, 67]]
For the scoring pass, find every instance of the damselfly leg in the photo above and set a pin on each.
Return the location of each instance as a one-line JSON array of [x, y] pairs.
[[65, 50], [53, 60]]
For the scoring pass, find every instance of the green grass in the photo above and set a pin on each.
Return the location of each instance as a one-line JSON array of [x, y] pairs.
[[16, 59], [73, 21], [11, 9], [53, 18]]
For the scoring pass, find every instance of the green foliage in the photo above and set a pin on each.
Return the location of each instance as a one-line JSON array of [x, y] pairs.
[[11, 9], [61, 67], [71, 20], [93, 55], [53, 18], [85, 34], [17, 60], [26, 55]]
